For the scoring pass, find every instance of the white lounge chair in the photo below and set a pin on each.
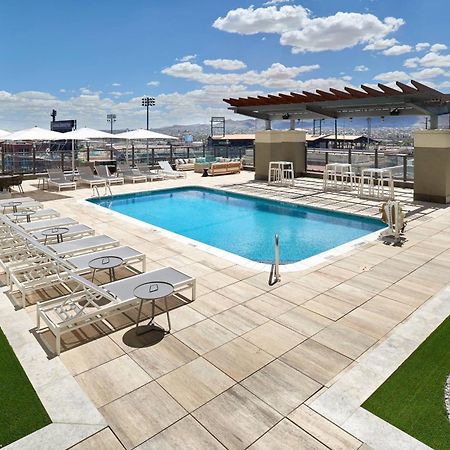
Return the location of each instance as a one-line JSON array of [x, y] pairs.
[[129, 255], [130, 174], [50, 223], [103, 172], [75, 232], [86, 176], [57, 178], [83, 245], [40, 214], [90, 303], [151, 175], [168, 172]]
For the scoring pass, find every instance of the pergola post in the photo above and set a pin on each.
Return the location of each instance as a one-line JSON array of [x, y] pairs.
[[277, 145], [432, 165]]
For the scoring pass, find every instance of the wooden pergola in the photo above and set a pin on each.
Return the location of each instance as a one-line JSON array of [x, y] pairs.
[[416, 99]]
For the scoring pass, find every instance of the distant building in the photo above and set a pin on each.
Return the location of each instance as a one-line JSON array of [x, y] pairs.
[[340, 141], [232, 140]]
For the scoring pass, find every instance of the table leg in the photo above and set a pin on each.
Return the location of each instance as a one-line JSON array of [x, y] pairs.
[[167, 312], [139, 314], [93, 274]]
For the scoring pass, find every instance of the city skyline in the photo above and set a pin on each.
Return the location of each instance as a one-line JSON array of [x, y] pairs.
[[88, 60]]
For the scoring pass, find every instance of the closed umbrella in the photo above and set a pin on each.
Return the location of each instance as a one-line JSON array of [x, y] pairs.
[[141, 134]]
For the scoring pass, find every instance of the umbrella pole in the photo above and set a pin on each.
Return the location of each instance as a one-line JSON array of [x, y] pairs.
[[126, 151]]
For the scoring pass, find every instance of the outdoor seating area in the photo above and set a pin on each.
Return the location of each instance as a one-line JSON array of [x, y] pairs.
[[31, 264]]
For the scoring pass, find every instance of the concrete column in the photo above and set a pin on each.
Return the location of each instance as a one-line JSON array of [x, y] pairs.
[[432, 166], [268, 124], [292, 124], [276, 145]]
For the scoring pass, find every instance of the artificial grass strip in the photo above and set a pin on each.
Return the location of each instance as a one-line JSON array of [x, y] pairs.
[[412, 398], [21, 411]]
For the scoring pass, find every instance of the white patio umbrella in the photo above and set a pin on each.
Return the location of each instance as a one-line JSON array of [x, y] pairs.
[[141, 134], [35, 134], [84, 134], [4, 133]]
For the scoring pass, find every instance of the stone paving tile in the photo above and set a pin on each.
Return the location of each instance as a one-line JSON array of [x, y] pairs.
[[318, 361], [205, 336], [287, 436], [281, 386], [407, 292], [163, 357], [212, 303], [269, 305], [240, 292], [389, 308], [274, 338], [186, 434], [239, 319], [217, 280], [327, 306], [195, 383], [113, 379], [238, 358], [141, 414], [294, 292], [344, 339], [318, 281], [90, 355], [103, 440], [303, 321], [323, 430], [182, 318], [237, 418]]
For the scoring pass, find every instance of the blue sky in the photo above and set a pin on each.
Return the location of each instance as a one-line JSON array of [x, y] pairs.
[[88, 58]]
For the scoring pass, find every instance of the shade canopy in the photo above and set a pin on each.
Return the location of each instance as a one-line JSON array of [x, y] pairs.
[[4, 133], [85, 133], [35, 134], [143, 134]]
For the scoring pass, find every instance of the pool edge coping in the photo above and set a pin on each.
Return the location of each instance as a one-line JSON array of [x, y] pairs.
[[303, 264]]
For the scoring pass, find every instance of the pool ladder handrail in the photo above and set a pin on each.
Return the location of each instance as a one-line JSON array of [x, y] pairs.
[[96, 193], [274, 276]]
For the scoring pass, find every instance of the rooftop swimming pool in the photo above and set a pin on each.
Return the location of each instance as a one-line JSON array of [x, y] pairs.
[[241, 224]]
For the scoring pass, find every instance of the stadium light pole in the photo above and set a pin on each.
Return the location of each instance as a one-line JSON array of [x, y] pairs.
[[147, 102], [111, 118]]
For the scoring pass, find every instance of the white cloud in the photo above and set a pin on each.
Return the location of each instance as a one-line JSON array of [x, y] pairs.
[[421, 46], [428, 73], [380, 44], [62, 90], [225, 64], [411, 62], [275, 76], [397, 50], [346, 78], [153, 83], [117, 94], [395, 75], [276, 2], [115, 84], [361, 68], [435, 60], [303, 32], [187, 58], [438, 47]]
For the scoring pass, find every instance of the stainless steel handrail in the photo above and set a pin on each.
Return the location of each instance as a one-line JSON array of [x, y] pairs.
[[274, 276]]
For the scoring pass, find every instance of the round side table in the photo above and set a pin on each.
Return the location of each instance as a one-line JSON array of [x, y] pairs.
[[108, 263], [57, 232]]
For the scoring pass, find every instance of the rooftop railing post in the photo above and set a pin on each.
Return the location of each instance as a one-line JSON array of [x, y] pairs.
[[204, 150], [34, 158], [132, 155], [349, 155], [153, 157], [171, 154], [88, 152], [326, 157], [62, 160], [376, 157], [3, 158], [405, 167], [254, 155], [188, 151]]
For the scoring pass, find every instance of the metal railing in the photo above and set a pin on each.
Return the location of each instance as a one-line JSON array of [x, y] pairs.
[[274, 276], [401, 164]]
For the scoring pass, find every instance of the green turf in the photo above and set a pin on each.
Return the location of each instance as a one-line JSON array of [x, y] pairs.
[[21, 411], [412, 398]]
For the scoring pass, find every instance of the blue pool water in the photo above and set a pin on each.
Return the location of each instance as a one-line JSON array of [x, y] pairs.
[[241, 224]]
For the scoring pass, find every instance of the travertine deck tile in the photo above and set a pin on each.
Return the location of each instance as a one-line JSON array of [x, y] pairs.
[[212, 303], [287, 436], [141, 414], [195, 383], [240, 292], [238, 358], [303, 321], [163, 357], [239, 319], [323, 430], [237, 418], [281, 386], [294, 292], [113, 379], [318, 361], [274, 338], [269, 305], [329, 307], [205, 336], [186, 434], [103, 440]]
